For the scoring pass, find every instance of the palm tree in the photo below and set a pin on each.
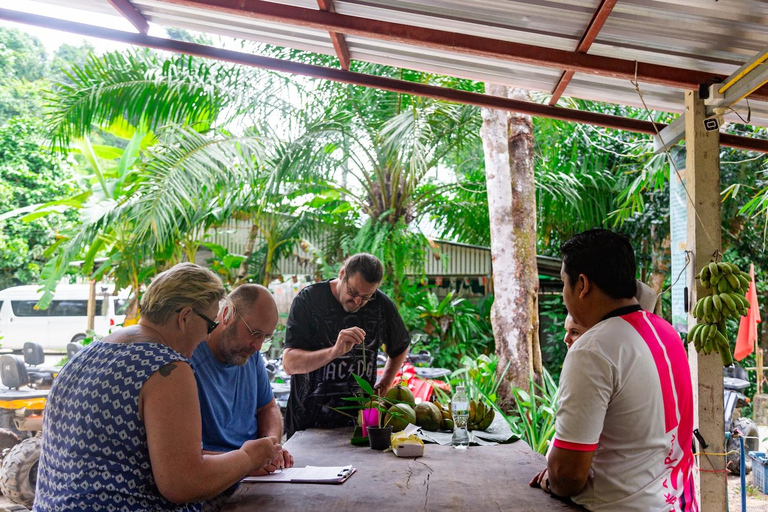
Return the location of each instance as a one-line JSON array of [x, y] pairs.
[[383, 151], [180, 173]]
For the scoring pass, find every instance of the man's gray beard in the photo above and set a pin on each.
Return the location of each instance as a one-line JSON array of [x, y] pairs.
[[227, 349]]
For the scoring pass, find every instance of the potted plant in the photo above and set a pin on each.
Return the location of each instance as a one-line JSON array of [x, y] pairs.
[[371, 409]]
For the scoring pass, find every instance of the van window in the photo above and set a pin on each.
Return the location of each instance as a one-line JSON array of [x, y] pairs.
[[27, 308], [120, 306], [73, 308], [57, 308]]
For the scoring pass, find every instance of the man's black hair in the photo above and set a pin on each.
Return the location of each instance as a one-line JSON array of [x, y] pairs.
[[606, 258], [367, 265]]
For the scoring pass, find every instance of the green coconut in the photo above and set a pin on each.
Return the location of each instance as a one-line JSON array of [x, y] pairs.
[[428, 416], [400, 394], [399, 416]]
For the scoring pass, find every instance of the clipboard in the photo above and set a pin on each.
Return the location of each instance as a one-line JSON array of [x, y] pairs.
[[306, 475]]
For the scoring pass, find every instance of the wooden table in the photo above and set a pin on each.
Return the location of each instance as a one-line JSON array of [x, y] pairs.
[[482, 478]]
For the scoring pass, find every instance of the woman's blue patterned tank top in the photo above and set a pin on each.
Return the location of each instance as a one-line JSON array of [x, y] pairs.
[[95, 454]]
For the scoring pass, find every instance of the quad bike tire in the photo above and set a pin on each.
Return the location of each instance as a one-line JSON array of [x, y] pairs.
[[18, 476], [752, 443], [8, 439]]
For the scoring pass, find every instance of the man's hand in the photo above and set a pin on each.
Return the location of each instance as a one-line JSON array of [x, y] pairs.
[[282, 460], [262, 451], [347, 339], [381, 388], [390, 371], [540, 480]]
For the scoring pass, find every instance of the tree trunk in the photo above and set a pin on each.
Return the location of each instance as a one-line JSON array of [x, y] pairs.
[[268, 262], [508, 146], [132, 313], [242, 273]]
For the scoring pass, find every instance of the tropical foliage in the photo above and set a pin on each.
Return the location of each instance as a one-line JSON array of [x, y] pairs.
[[532, 417], [179, 174], [155, 152], [28, 174], [453, 327]]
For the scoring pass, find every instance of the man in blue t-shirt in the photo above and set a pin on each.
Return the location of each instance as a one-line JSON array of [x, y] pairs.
[[236, 401]]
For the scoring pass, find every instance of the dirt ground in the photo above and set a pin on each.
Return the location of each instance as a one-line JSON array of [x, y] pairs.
[[756, 501]]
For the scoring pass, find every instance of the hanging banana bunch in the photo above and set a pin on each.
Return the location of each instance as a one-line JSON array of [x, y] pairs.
[[726, 286]]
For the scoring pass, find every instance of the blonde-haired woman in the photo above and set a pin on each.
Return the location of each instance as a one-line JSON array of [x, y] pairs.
[[122, 425]]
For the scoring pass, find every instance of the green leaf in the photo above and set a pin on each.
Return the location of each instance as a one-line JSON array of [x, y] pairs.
[[364, 385], [219, 251], [19, 211], [233, 260], [342, 208], [107, 152], [38, 215]]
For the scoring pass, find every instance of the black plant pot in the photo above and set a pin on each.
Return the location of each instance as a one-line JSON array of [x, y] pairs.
[[379, 437]]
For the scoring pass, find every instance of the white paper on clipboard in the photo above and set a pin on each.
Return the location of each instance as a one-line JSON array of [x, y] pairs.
[[307, 475]]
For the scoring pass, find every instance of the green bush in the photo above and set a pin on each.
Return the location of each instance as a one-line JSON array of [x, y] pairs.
[[533, 416]]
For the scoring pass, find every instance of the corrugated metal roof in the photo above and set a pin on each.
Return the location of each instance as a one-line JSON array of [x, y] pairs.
[[709, 36]]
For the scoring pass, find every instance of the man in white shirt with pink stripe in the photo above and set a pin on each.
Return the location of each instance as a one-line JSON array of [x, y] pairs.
[[625, 421]]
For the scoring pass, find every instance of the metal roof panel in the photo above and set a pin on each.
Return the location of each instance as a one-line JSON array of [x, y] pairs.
[[714, 37], [554, 24], [452, 64], [242, 27]]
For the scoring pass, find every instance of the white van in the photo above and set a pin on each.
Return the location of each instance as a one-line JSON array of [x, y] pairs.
[[65, 319]]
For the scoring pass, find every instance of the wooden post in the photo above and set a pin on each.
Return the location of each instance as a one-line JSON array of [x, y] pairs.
[[91, 308], [759, 358], [704, 238]]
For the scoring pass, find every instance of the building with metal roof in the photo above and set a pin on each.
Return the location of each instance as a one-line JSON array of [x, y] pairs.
[[447, 263]]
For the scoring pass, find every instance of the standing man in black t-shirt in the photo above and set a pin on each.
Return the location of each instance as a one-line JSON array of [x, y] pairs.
[[330, 326]]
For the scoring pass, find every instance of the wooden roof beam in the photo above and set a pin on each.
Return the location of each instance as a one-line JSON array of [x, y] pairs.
[[594, 26], [339, 44], [349, 77], [463, 43], [132, 14]]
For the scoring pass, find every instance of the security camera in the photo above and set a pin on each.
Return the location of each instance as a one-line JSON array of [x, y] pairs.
[[716, 120], [712, 124]]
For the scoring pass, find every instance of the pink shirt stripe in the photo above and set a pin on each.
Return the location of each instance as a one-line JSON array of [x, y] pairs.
[[577, 447], [668, 354]]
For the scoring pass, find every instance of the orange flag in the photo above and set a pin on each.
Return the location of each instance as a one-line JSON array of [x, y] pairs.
[[745, 340]]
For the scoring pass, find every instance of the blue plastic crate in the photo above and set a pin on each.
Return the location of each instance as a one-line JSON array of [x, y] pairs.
[[759, 471]]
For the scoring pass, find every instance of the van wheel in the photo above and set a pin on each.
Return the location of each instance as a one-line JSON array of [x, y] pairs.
[[748, 429], [77, 337], [19, 471]]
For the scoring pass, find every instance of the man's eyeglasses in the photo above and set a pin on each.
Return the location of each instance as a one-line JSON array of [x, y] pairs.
[[267, 338], [354, 295], [211, 323]]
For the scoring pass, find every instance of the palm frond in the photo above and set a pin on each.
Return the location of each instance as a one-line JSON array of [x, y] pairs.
[[183, 174], [141, 88]]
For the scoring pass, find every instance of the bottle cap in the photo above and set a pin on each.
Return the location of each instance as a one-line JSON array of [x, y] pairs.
[[459, 388]]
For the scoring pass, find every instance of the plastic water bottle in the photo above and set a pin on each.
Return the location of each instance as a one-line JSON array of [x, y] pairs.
[[460, 409]]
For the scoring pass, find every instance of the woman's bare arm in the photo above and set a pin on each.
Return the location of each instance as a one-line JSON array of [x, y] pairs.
[[170, 410]]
